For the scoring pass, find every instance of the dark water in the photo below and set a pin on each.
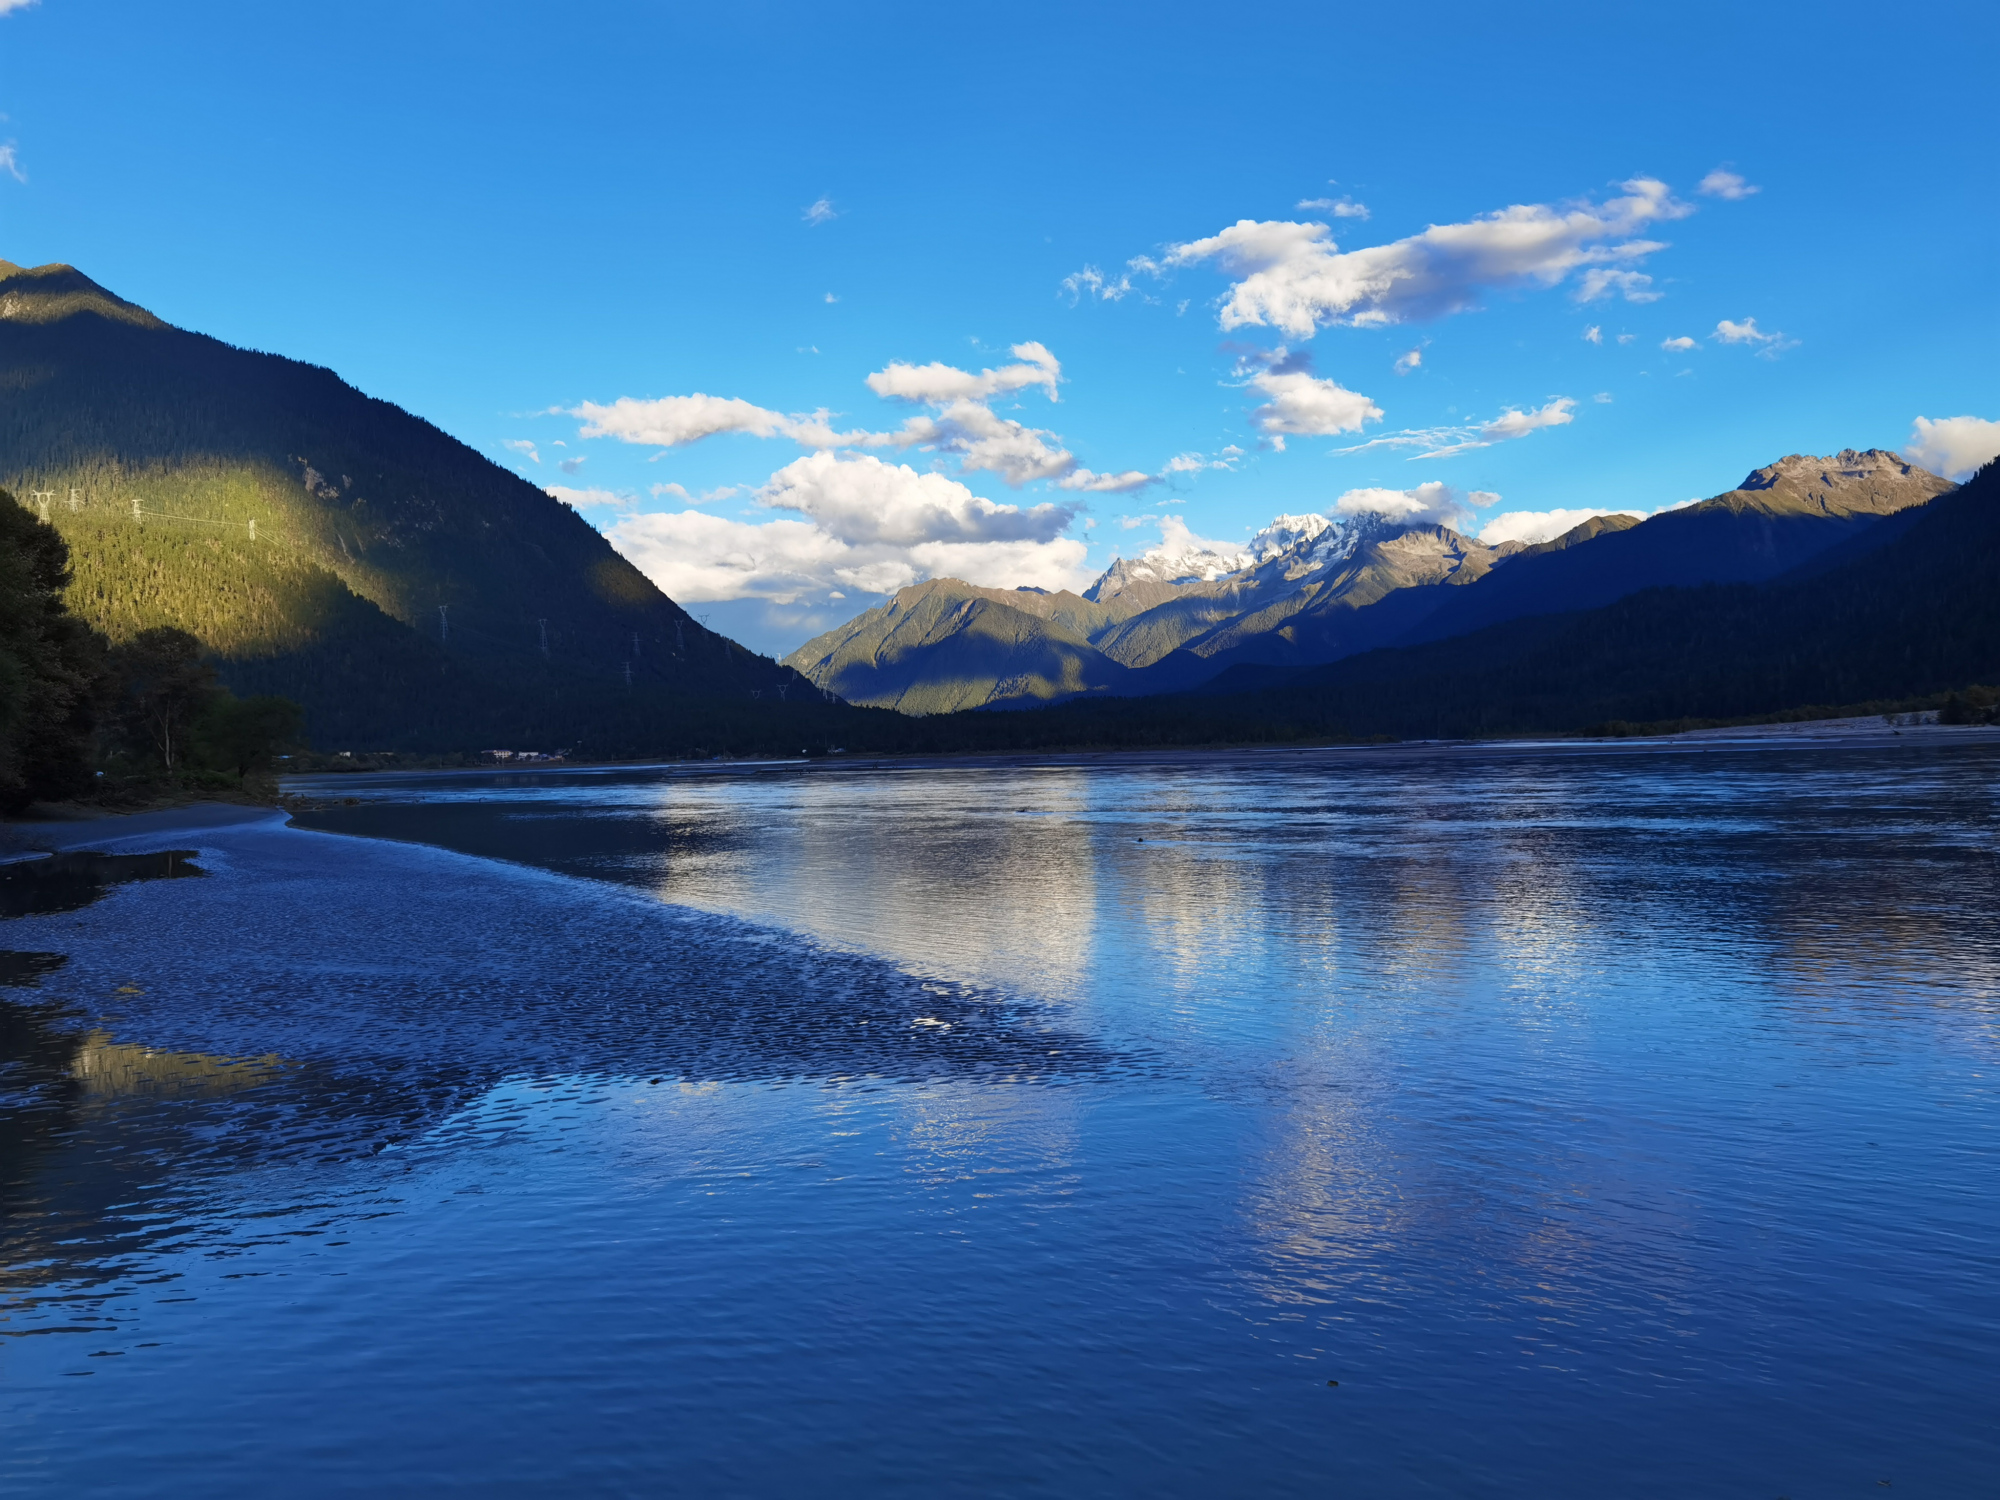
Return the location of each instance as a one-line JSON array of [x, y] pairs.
[[1617, 1124]]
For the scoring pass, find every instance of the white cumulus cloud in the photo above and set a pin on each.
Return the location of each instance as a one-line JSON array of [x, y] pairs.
[[523, 447], [1593, 334], [1302, 404], [1953, 446], [1406, 363], [863, 525], [1295, 278], [962, 425], [985, 441], [1540, 525], [673, 420], [1432, 504], [940, 382], [1722, 183], [1680, 345]]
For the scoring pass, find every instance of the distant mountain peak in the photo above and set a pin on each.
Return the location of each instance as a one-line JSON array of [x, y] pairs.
[[1848, 467], [50, 293]]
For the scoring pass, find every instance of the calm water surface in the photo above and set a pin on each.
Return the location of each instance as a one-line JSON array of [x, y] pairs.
[[1603, 1124]]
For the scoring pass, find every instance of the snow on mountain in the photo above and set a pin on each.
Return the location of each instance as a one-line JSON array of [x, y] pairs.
[[1294, 544]]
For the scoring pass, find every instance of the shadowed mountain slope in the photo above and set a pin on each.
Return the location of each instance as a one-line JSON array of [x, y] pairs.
[[1918, 615], [334, 548], [1778, 518]]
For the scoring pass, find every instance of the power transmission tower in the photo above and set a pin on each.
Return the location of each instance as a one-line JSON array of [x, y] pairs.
[[253, 529], [41, 499], [136, 512], [74, 503], [444, 624], [628, 677], [635, 643]]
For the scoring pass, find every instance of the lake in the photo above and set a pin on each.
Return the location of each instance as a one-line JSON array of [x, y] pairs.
[[1512, 1122]]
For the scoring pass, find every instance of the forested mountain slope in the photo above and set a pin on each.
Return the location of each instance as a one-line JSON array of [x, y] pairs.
[[336, 549]]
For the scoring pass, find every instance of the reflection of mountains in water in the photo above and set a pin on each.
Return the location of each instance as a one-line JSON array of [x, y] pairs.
[[398, 985]]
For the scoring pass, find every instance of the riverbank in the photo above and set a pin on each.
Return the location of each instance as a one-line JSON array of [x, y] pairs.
[[1859, 733], [84, 830]]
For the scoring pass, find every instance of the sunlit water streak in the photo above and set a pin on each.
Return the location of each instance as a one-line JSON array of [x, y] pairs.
[[1614, 1124]]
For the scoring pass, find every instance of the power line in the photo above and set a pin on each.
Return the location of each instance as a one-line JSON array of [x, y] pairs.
[[139, 513]]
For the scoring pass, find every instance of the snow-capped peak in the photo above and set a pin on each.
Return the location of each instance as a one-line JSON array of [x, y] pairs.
[[1285, 534]]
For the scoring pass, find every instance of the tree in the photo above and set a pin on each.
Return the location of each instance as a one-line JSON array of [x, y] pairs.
[[162, 687], [51, 664], [243, 734]]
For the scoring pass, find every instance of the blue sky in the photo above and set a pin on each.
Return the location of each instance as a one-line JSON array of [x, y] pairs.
[[506, 218]]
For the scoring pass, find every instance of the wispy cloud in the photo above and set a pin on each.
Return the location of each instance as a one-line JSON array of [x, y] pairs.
[[1600, 282], [1409, 362], [1593, 334], [1341, 208], [523, 447], [1093, 283], [1444, 442], [820, 211], [682, 494], [10, 162]]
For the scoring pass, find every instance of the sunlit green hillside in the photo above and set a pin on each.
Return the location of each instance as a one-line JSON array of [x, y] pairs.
[[337, 549]]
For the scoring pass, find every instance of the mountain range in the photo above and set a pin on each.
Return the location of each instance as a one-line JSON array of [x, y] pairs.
[[335, 549], [413, 595], [1310, 590]]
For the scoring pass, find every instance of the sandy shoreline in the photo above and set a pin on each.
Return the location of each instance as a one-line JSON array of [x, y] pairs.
[[28, 838]]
